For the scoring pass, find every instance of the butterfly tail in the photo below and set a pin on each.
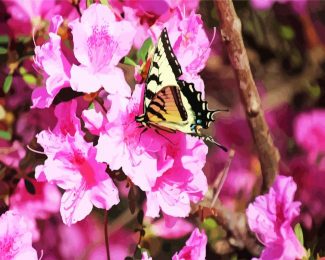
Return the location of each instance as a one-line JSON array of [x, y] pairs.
[[211, 140]]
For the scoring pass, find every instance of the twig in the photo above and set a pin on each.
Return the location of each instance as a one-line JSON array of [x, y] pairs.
[[218, 184], [236, 225], [233, 41], [106, 234]]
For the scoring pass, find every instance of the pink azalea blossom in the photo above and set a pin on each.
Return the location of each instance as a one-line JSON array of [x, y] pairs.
[[28, 14], [145, 14], [50, 59], [298, 6], [310, 180], [180, 229], [15, 237], [195, 248], [94, 120], [168, 167], [141, 154], [71, 165], [40, 205], [185, 182], [271, 217], [100, 42], [309, 131], [145, 256], [11, 154]]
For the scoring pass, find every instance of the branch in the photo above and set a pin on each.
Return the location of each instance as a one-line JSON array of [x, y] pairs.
[[234, 223], [233, 41]]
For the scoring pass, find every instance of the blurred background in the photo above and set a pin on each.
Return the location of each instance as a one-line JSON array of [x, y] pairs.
[[285, 44]]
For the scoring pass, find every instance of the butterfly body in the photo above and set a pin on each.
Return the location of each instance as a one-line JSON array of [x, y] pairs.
[[171, 104]]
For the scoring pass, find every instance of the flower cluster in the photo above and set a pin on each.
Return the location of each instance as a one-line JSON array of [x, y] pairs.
[[167, 167], [73, 89]]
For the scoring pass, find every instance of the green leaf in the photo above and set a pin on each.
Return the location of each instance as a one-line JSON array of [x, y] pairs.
[[129, 61], [209, 224], [287, 32], [91, 105], [6, 135], [142, 53], [89, 2], [4, 39], [7, 84], [104, 2], [22, 70], [3, 50], [299, 234], [29, 79]]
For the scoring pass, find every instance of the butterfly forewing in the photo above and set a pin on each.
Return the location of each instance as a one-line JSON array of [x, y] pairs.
[[164, 69]]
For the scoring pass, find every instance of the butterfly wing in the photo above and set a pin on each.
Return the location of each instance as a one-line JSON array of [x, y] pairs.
[[164, 69], [199, 107]]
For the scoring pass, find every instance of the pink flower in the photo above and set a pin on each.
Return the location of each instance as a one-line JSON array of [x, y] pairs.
[[67, 121], [309, 131], [15, 237], [185, 182], [178, 230], [298, 6], [270, 216], [71, 165], [40, 205], [100, 42], [51, 60], [168, 167], [144, 14], [141, 154], [11, 154], [310, 180], [29, 14], [145, 256], [195, 248], [94, 120]]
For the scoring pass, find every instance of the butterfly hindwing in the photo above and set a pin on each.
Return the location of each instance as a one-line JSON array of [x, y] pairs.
[[167, 105], [203, 116]]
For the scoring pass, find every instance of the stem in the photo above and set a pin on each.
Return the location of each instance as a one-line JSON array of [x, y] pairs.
[[233, 41], [222, 178], [106, 234]]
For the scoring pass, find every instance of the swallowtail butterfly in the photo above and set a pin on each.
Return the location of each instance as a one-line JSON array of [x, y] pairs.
[[171, 104]]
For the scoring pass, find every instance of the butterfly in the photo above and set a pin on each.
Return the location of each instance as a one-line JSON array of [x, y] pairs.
[[171, 104]]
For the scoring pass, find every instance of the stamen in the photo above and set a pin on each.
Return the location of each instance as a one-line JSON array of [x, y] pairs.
[[35, 151]]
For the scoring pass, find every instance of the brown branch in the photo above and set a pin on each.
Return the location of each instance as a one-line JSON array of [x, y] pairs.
[[233, 41], [234, 223]]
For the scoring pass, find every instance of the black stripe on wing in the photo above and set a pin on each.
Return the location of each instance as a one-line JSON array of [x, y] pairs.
[[171, 57], [203, 115]]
